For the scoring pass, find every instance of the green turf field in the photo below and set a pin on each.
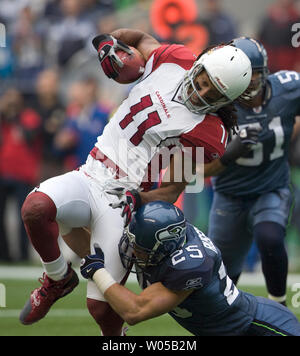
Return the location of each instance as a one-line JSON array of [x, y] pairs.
[[69, 316]]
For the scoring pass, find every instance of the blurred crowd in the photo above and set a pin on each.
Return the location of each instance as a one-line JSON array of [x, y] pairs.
[[54, 99]]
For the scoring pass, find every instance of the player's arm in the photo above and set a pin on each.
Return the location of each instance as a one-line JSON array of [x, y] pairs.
[[168, 191], [296, 128], [153, 301], [237, 147], [107, 45], [213, 168], [142, 41], [170, 188]]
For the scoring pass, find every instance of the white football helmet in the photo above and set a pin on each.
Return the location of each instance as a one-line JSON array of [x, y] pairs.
[[228, 68]]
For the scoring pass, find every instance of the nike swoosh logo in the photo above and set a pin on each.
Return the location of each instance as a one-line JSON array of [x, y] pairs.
[[36, 301], [89, 270]]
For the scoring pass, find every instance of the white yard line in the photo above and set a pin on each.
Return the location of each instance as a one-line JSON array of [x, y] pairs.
[[257, 279], [56, 313], [33, 273]]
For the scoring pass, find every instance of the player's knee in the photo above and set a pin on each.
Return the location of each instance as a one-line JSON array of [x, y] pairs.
[[37, 207], [269, 236], [109, 322]]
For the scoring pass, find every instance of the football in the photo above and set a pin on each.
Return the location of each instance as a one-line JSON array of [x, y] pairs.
[[133, 69]]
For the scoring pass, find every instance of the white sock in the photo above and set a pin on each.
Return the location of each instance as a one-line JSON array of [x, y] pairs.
[[277, 299], [56, 269]]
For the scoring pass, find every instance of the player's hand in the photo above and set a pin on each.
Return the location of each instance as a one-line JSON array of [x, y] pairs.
[[249, 136], [106, 46], [91, 263], [130, 201], [242, 144]]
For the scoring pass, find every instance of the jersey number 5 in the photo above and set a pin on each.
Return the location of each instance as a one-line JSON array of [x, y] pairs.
[[153, 119]]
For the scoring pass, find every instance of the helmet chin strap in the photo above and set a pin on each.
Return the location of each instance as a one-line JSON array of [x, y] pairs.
[[251, 95], [265, 90]]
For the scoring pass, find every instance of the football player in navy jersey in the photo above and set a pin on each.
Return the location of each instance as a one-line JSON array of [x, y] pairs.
[[252, 199], [181, 273]]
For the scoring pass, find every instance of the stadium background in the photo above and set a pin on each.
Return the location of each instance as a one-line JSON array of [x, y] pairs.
[[54, 99]]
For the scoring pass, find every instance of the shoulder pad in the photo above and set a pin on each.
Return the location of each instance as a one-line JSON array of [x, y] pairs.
[[285, 81], [187, 268], [177, 54]]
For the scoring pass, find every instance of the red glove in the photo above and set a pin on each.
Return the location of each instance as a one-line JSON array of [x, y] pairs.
[[129, 202], [106, 45]]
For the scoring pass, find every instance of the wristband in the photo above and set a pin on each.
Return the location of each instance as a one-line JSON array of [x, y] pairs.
[[137, 197], [103, 280]]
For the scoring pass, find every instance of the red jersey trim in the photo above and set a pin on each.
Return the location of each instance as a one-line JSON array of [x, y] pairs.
[[210, 134], [100, 156]]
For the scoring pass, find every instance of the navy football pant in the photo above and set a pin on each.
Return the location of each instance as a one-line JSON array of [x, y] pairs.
[[273, 319], [233, 224]]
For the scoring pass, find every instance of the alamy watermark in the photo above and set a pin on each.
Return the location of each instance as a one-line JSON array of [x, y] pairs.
[[2, 296], [295, 301], [296, 36], [2, 35], [143, 165]]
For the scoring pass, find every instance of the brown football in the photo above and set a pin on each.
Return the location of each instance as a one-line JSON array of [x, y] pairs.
[[133, 69]]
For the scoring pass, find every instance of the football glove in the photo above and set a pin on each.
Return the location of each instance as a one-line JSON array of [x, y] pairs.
[[106, 45], [242, 144], [130, 201], [91, 263]]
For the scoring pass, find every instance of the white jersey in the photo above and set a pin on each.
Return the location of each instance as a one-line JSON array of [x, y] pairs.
[[153, 116]]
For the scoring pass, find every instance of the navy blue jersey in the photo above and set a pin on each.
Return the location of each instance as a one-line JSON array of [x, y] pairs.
[[265, 168], [216, 306]]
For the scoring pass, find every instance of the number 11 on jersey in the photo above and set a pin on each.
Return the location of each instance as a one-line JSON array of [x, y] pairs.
[[153, 119]]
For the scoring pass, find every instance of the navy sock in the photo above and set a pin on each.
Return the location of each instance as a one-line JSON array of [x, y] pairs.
[[269, 237]]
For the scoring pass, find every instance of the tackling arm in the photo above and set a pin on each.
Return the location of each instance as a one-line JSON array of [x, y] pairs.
[[213, 168], [243, 143], [153, 301], [169, 189], [167, 192], [131, 200]]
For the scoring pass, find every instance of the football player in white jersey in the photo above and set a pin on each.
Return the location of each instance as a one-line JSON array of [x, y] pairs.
[[180, 101]]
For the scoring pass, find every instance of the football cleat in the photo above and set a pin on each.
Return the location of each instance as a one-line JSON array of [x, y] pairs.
[[42, 298]]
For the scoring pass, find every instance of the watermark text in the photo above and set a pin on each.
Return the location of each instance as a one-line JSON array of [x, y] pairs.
[[2, 35], [2, 296], [141, 165], [296, 36]]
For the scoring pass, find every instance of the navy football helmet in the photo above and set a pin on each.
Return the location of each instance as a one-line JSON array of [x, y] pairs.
[[259, 63], [157, 230]]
